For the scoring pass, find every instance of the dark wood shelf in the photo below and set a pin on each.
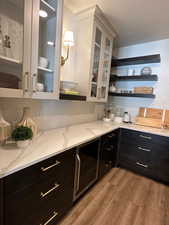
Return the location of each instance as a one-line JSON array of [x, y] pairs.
[[136, 60], [132, 95], [72, 97], [134, 78]]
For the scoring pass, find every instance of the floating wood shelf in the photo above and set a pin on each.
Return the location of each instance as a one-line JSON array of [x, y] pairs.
[[132, 95], [134, 78], [136, 60], [72, 97]]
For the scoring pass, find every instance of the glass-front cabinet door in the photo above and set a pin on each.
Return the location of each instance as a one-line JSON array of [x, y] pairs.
[[96, 62], [15, 41], [105, 71], [46, 42]]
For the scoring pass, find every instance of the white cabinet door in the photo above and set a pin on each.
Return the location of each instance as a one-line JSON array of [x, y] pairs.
[[95, 63], [105, 68], [101, 64], [46, 48], [15, 41]]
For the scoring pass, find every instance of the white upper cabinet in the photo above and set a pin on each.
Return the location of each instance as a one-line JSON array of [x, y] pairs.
[[46, 47], [15, 45], [94, 52], [30, 46]]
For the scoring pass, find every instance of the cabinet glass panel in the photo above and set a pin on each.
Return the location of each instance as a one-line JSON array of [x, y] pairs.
[[11, 43], [106, 69], [96, 62], [47, 37]]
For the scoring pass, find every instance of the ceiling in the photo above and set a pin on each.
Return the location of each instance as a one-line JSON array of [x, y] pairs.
[[136, 21]]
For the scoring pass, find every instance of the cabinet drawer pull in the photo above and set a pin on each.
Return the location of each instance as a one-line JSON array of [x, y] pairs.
[[144, 149], [48, 192], [111, 135], [48, 168], [47, 222], [145, 137], [143, 165]]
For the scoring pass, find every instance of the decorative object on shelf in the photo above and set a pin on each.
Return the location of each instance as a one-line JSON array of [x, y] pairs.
[[22, 135], [112, 88], [40, 87], [43, 62], [5, 129], [28, 121], [68, 42], [146, 71], [143, 90], [131, 72]]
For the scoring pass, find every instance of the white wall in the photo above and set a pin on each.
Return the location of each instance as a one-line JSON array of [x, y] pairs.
[[51, 114], [67, 71], [161, 86]]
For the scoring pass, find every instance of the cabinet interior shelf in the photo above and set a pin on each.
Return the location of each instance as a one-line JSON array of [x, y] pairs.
[[132, 95], [72, 97], [134, 78], [5, 59], [136, 60], [45, 69], [48, 8]]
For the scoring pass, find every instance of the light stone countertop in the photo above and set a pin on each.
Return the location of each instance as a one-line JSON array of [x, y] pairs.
[[53, 142]]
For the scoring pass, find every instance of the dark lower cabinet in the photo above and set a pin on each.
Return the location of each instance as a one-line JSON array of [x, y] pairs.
[[108, 152], [144, 153], [44, 201], [1, 202]]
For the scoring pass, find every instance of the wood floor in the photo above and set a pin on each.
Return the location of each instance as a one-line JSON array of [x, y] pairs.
[[122, 198]]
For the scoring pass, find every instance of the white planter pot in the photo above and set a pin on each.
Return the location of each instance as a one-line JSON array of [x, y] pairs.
[[23, 144]]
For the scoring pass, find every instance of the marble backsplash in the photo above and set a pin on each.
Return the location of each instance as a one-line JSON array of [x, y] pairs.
[[50, 114]]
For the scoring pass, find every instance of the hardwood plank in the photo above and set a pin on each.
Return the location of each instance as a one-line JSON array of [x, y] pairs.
[[122, 198]]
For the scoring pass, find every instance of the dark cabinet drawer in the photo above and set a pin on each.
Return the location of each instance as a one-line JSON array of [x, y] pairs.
[[144, 139], [143, 149], [54, 167], [135, 152], [137, 166], [37, 202]]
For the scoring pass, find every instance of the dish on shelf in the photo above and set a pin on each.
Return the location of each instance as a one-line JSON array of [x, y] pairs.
[[68, 85]]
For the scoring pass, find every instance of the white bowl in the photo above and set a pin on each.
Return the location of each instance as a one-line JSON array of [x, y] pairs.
[[68, 85]]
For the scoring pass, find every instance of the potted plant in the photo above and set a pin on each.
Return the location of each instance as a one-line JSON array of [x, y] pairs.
[[22, 135]]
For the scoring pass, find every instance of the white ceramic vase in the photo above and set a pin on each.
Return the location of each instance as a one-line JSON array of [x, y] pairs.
[[27, 121], [5, 129], [23, 144]]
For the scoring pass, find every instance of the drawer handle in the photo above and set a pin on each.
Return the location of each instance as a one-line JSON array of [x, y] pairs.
[[144, 149], [47, 168], [143, 165], [145, 137], [47, 222], [111, 135], [48, 192]]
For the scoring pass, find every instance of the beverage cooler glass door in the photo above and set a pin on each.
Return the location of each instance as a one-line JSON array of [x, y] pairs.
[[87, 159]]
